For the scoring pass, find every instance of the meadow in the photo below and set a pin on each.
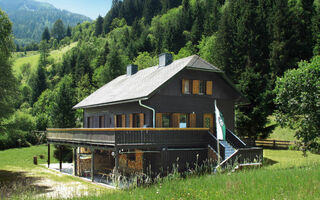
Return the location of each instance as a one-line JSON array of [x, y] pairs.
[[285, 175], [32, 57]]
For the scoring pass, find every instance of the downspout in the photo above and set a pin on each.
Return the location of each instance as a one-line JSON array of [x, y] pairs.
[[153, 113]]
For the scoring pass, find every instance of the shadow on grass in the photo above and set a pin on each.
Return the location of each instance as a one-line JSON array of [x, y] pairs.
[[18, 183], [268, 162]]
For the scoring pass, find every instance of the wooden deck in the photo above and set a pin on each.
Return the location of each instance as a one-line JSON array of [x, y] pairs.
[[129, 137]]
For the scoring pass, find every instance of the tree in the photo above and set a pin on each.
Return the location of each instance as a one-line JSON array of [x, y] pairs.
[[44, 53], [46, 34], [241, 51], [62, 114], [115, 64], [99, 26], [58, 30], [69, 32], [38, 84], [8, 82], [297, 101]]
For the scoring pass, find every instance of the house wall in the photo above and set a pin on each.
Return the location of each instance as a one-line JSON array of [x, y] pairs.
[[169, 99], [110, 111]]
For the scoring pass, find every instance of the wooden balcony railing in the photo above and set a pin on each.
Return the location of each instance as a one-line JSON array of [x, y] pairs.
[[129, 136]]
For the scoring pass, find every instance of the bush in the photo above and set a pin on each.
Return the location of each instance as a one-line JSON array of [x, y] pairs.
[[66, 153]]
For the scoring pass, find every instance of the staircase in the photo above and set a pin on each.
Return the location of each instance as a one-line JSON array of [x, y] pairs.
[[229, 150]]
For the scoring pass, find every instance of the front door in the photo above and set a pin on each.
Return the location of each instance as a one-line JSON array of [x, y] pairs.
[[208, 121]]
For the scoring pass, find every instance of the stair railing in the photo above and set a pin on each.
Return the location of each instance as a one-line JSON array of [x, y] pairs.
[[212, 141], [235, 142]]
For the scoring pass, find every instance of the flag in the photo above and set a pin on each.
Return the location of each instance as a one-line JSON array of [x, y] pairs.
[[221, 127]]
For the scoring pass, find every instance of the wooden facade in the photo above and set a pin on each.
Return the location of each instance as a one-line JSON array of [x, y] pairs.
[[174, 125]]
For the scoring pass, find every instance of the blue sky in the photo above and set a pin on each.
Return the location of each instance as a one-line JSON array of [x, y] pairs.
[[90, 8]]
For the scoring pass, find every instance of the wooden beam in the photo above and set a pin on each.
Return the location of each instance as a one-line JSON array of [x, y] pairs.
[[60, 158], [116, 161], [92, 164], [48, 155], [75, 161]]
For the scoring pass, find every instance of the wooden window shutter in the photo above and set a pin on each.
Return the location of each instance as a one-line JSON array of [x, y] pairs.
[[193, 120], [123, 121], [131, 120], [115, 120], [195, 87], [209, 88], [141, 115], [159, 120], [175, 120], [183, 82]]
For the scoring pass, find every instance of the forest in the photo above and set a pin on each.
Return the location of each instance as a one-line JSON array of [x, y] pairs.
[[257, 43], [30, 17]]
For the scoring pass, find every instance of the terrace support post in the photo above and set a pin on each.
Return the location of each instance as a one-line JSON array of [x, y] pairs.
[[75, 161], [48, 155], [116, 161], [60, 158], [92, 164]]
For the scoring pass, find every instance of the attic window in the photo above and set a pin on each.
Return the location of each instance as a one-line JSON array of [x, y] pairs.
[[202, 87], [186, 89]]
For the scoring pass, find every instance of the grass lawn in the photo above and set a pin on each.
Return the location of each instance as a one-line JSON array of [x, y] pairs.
[[280, 133], [32, 57], [20, 178], [290, 176], [286, 175]]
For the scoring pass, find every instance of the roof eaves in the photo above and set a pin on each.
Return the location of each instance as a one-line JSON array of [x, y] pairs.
[[111, 103]]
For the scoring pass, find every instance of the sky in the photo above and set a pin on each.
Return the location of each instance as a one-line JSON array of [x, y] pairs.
[[90, 8]]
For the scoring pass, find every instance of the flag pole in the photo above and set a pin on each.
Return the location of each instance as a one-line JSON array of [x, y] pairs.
[[218, 146]]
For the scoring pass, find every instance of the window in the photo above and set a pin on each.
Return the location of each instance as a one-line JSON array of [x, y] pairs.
[[88, 122], [136, 120], [186, 86], [183, 121], [202, 87], [118, 121], [101, 122], [166, 120]]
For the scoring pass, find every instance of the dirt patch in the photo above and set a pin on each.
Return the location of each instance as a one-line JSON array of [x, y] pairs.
[[42, 182]]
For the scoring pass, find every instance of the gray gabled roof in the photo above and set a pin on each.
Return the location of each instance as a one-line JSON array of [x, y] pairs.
[[141, 85]]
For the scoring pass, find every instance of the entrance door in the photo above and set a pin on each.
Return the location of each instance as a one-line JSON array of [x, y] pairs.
[[208, 121]]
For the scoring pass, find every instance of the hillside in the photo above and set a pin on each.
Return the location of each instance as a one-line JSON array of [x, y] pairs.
[[30, 17]]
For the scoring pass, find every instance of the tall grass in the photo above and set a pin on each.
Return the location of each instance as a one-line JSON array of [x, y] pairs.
[[287, 175]]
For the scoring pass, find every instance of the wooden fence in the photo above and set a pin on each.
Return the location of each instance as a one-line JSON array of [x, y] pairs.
[[271, 144]]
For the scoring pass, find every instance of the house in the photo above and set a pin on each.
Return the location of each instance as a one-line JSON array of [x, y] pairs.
[[147, 121]]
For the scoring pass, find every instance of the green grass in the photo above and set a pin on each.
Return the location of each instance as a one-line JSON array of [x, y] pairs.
[[286, 175], [32, 57], [280, 133], [283, 180], [23, 157], [18, 174]]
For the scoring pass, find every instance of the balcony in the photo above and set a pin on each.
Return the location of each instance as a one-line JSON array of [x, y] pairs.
[[129, 137]]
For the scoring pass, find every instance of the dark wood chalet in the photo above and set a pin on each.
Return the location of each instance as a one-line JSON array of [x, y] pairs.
[[150, 120]]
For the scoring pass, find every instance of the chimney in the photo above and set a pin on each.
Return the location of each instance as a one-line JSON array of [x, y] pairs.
[[132, 69], [165, 59]]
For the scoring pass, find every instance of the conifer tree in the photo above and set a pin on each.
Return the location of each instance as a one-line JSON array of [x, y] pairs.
[[58, 30], [38, 84], [46, 34], [62, 114], [69, 32], [8, 82], [98, 26]]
